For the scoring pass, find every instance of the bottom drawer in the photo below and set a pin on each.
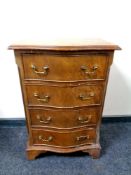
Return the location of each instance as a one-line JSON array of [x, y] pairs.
[[64, 139]]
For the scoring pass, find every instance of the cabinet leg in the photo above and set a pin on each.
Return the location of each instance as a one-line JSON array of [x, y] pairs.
[[94, 153], [32, 154]]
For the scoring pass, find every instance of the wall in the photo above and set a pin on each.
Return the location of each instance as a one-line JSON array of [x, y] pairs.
[[107, 19]]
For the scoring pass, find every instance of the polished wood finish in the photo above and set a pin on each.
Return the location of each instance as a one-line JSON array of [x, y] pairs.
[[63, 87], [67, 65], [65, 45], [64, 139], [64, 96], [60, 118], [94, 152]]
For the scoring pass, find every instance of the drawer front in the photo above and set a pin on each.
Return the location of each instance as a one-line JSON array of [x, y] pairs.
[[64, 139], [64, 119], [40, 95], [65, 68]]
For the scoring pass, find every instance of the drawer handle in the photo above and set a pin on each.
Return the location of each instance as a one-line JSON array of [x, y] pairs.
[[45, 72], [46, 121], [50, 138], [86, 97], [82, 138], [84, 120], [87, 72], [45, 99]]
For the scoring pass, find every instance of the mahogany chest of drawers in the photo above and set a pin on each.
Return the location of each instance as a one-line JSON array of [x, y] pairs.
[[63, 87]]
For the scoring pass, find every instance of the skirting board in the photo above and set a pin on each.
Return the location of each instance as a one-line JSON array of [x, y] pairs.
[[105, 119]]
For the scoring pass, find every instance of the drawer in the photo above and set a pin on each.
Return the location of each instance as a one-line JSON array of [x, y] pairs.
[[64, 119], [65, 68], [63, 139], [84, 95]]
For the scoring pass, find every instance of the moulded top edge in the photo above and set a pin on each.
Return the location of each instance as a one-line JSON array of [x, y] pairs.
[[61, 45]]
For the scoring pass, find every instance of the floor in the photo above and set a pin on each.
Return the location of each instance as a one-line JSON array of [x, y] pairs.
[[115, 156]]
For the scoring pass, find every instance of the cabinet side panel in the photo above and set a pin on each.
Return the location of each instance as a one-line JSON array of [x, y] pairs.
[[19, 62], [109, 63]]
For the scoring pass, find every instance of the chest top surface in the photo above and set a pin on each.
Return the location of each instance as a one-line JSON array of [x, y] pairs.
[[65, 45]]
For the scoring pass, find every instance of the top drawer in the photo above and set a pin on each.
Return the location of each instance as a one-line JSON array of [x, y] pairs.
[[45, 67]]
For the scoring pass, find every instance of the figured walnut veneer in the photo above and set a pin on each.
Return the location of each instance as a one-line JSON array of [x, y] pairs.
[[63, 87]]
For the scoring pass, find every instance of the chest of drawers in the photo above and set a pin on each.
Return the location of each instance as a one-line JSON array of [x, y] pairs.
[[63, 87]]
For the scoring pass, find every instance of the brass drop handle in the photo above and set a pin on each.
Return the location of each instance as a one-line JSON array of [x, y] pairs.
[[86, 97], [46, 121], [44, 99], [84, 120], [82, 138], [45, 72], [50, 138], [85, 69]]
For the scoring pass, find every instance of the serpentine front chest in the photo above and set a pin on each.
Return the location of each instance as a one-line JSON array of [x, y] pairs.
[[63, 87]]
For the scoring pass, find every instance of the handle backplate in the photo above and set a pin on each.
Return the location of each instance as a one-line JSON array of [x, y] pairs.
[[35, 70], [82, 138], [89, 71], [87, 96], [44, 99], [84, 120], [50, 138], [44, 121]]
